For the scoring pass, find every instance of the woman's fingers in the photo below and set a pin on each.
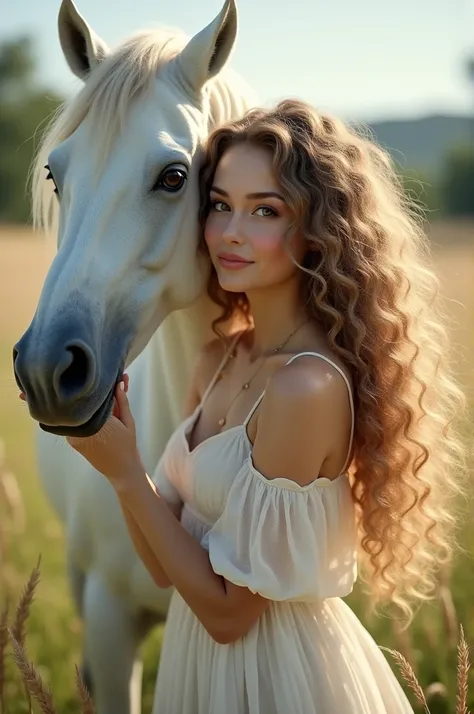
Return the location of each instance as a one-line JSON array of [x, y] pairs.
[[122, 400], [116, 409]]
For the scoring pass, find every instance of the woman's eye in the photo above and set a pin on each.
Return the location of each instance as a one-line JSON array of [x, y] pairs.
[[265, 212], [171, 180], [219, 206], [50, 177]]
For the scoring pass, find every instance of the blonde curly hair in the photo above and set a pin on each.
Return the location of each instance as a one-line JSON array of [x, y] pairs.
[[366, 280]]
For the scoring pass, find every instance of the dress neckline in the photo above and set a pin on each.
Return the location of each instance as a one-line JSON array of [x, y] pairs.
[[190, 423]]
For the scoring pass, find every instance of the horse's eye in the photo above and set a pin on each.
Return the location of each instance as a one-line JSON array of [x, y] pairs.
[[171, 179], [50, 177]]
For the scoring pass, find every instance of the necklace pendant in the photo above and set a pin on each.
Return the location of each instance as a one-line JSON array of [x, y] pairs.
[[221, 421], [246, 385]]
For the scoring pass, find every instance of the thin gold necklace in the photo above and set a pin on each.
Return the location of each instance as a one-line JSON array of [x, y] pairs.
[[222, 421]]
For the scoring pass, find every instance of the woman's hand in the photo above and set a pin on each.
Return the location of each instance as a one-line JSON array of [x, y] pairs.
[[113, 450]]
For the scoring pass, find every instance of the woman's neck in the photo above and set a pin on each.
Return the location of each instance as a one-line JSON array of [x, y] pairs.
[[276, 312]]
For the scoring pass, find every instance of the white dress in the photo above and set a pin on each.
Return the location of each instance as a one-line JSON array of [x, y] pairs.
[[308, 653]]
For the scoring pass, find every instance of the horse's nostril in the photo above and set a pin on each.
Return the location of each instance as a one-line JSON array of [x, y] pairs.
[[15, 374], [75, 375]]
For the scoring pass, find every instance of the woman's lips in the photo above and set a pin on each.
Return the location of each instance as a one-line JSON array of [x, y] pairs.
[[232, 262]]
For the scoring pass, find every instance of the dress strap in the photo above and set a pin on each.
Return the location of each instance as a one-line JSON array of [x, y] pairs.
[[351, 399], [221, 366]]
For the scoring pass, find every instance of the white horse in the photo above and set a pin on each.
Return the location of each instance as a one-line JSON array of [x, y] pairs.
[[125, 290]]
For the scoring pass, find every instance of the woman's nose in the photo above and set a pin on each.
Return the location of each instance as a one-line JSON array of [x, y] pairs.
[[232, 232]]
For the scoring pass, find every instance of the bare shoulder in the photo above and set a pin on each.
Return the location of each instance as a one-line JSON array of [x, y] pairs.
[[306, 381], [304, 418]]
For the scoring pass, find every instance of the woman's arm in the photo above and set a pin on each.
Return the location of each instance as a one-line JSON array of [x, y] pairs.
[[140, 543], [217, 603], [144, 551]]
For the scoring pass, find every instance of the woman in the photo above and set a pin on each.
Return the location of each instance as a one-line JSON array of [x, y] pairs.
[[316, 426]]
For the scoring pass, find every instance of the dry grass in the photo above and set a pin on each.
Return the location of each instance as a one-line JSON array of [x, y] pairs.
[[463, 666], [409, 676], [463, 674], [18, 631], [87, 707], [11, 510], [35, 687]]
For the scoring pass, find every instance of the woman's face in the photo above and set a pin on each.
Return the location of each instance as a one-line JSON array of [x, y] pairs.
[[248, 219]]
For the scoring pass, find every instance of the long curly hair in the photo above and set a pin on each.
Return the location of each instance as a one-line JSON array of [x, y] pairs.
[[366, 279]]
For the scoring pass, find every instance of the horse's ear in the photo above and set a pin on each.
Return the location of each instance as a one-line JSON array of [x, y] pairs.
[[208, 51], [82, 48]]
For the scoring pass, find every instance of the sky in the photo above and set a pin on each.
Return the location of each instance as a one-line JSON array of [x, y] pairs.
[[360, 59]]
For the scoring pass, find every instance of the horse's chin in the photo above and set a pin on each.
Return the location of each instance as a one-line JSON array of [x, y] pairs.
[[91, 426]]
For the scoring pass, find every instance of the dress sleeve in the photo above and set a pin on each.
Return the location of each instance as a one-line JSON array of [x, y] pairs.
[[284, 541]]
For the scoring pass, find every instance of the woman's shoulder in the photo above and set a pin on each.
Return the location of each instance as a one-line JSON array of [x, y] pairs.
[[311, 366], [304, 399], [308, 377]]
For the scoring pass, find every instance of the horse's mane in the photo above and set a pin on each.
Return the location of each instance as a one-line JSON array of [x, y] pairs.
[[106, 97]]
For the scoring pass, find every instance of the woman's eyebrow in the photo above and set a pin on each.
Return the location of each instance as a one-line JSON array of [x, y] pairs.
[[259, 194]]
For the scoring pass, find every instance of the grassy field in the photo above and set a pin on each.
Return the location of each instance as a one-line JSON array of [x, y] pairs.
[[54, 631]]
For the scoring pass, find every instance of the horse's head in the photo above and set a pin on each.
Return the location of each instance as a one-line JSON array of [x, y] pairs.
[[123, 158]]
